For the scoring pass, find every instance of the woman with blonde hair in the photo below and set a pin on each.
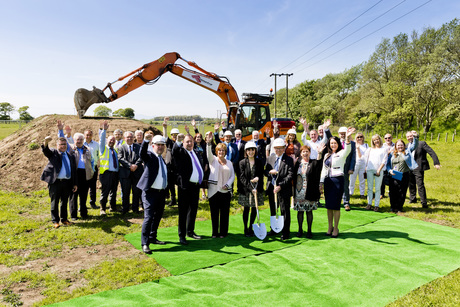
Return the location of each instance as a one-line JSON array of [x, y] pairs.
[[361, 149], [292, 145], [376, 159], [220, 182], [400, 160]]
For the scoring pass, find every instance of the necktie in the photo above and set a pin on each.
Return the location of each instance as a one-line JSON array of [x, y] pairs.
[[275, 167], [198, 168], [66, 165], [343, 144], [114, 158], [163, 172]]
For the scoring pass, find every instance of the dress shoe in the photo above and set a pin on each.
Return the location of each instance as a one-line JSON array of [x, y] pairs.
[[102, 212], [309, 235], [213, 236], [194, 236], [299, 234], [329, 234], [67, 223], [156, 241], [183, 241], [94, 206], [336, 236], [271, 233], [283, 237], [56, 225], [376, 209], [146, 249], [424, 206], [368, 207], [73, 219], [347, 208]]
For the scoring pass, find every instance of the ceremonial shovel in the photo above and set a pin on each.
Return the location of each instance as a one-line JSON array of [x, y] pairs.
[[276, 222], [259, 229]]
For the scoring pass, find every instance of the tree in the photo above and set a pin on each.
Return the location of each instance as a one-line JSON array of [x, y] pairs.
[[6, 109], [102, 111], [128, 112], [23, 114]]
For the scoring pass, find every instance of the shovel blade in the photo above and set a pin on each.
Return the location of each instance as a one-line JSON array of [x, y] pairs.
[[277, 223], [260, 230]]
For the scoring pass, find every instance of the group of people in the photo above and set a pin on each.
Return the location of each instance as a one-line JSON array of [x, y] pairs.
[[150, 167]]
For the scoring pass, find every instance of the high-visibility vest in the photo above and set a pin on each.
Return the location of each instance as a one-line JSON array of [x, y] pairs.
[[104, 159]]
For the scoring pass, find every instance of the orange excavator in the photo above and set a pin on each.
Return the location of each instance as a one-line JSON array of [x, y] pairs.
[[253, 113]]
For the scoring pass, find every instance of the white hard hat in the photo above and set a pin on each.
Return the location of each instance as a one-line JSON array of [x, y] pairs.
[[250, 144], [228, 132], [174, 131], [279, 142], [158, 139], [291, 131], [342, 129]]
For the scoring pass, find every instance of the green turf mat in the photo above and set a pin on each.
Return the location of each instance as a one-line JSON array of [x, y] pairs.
[[178, 259], [370, 265]]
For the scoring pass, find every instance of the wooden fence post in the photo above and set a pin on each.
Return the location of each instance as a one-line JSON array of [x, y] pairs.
[[446, 137]]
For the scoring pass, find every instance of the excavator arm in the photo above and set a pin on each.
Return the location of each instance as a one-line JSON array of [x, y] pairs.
[[150, 73]]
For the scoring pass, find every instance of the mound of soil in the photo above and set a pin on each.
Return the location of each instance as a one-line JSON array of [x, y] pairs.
[[21, 163]]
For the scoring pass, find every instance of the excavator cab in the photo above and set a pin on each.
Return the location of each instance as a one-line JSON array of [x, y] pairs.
[[253, 114]]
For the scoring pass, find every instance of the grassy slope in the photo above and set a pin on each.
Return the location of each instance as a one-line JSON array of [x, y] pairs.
[[26, 237]]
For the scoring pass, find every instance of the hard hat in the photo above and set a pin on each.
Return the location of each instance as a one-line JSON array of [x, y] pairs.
[[228, 132], [291, 131], [279, 142], [158, 139], [250, 144], [343, 129], [174, 131]]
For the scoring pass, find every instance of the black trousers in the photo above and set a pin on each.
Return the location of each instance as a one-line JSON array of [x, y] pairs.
[[398, 190], [416, 179], [285, 208], [82, 194], [59, 193], [128, 185], [171, 188], [109, 182], [154, 207], [92, 187], [188, 207], [219, 205]]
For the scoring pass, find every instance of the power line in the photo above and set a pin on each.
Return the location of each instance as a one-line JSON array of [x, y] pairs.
[[393, 21], [314, 47], [319, 53]]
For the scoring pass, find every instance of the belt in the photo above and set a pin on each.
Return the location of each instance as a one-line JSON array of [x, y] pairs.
[[62, 180]]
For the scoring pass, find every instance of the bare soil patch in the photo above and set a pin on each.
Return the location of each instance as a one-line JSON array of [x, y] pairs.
[[21, 167]]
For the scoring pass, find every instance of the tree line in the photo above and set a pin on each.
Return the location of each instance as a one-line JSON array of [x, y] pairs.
[[411, 81], [7, 108]]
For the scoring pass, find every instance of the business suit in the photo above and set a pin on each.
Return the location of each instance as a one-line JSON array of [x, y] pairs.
[[284, 180], [84, 175], [59, 189], [129, 179], [152, 199], [349, 166], [171, 190], [417, 176], [261, 149], [188, 191]]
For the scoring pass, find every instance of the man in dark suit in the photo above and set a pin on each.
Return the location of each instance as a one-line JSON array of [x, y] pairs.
[[349, 167], [130, 172], [417, 176], [153, 183], [61, 175], [280, 171], [261, 144], [189, 168]]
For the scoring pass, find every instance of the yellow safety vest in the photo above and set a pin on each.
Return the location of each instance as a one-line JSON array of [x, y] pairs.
[[104, 160]]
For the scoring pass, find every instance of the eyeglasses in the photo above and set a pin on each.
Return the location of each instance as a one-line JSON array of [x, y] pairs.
[[389, 138], [360, 137]]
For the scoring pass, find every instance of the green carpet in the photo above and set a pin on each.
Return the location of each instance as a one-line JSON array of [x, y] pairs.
[[368, 265], [178, 259]]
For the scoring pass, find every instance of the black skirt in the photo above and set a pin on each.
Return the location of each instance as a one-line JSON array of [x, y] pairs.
[[333, 192]]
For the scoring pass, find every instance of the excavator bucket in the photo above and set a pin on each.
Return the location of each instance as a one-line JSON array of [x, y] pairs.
[[83, 99]]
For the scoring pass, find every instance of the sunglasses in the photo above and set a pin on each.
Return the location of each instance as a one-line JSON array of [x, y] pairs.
[[360, 137], [388, 138]]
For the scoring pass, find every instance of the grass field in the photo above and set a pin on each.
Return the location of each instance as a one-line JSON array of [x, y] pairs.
[[7, 129], [42, 265]]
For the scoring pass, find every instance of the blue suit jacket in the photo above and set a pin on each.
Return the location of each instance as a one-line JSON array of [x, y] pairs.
[[151, 168], [54, 165]]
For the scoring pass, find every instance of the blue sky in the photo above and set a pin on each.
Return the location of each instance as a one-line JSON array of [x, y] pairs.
[[51, 48]]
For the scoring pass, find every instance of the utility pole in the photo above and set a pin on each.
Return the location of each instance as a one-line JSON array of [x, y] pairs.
[[287, 76]]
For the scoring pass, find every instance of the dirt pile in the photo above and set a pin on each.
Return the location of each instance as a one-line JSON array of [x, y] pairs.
[[21, 165]]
